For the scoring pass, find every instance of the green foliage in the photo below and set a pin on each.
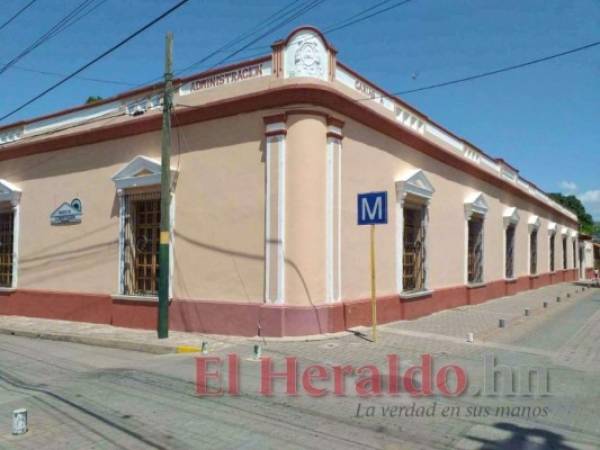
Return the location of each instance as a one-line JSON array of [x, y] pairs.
[[586, 222], [596, 230], [92, 99]]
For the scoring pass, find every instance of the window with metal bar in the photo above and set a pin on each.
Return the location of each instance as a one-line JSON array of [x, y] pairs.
[[7, 219], [564, 246], [510, 245], [574, 253], [552, 252], [141, 242], [475, 250], [533, 243], [413, 258]]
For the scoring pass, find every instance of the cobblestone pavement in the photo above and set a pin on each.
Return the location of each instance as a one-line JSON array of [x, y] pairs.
[[82, 397]]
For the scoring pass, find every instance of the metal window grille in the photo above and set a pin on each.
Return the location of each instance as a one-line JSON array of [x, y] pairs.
[[564, 244], [510, 245], [6, 247], [475, 250], [574, 254], [552, 252], [533, 252], [141, 242], [413, 258]]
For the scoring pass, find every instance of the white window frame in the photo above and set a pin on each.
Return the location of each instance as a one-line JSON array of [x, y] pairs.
[[574, 246], [564, 245], [551, 236], [533, 223], [10, 193], [475, 203], [417, 185], [142, 171], [509, 217]]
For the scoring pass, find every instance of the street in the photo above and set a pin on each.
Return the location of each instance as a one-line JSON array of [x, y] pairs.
[[84, 397]]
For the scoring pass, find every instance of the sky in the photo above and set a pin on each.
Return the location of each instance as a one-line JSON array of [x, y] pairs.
[[544, 119]]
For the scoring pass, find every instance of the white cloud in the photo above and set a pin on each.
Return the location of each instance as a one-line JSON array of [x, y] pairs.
[[590, 196], [568, 186], [591, 201]]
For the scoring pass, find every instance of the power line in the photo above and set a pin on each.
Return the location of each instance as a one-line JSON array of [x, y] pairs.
[[242, 37], [348, 20], [306, 8], [78, 13], [497, 71], [361, 12], [59, 74], [17, 14], [360, 19], [96, 59], [223, 47]]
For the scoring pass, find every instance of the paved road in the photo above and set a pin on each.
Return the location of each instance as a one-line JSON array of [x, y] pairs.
[[81, 397]]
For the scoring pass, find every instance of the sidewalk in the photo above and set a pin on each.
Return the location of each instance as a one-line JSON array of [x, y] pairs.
[[482, 320]]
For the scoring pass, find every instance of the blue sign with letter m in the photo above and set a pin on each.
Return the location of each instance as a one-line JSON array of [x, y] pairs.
[[372, 208]]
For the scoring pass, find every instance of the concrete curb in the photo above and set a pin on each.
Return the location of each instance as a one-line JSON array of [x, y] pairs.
[[94, 341]]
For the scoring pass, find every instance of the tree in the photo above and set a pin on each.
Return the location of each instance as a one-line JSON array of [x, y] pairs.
[[92, 99], [586, 222]]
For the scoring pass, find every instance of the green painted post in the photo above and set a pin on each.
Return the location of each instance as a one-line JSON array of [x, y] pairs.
[[165, 196]]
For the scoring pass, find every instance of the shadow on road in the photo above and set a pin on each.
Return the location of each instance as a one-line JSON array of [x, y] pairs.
[[524, 439]]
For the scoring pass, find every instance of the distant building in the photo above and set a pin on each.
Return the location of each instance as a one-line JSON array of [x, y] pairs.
[[268, 158]]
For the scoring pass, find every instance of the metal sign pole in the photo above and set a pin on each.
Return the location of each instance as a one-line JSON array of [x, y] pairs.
[[372, 210], [373, 287]]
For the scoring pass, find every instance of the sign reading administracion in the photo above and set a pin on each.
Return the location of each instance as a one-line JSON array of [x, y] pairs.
[[229, 77]]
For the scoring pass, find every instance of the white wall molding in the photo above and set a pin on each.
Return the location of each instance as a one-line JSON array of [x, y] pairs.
[[332, 215], [475, 203], [415, 183], [510, 216], [534, 222], [139, 172], [275, 183]]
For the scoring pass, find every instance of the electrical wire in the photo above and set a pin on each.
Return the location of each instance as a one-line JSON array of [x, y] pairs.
[[96, 59], [58, 74], [348, 20], [303, 11], [242, 37], [71, 18], [502, 70], [17, 14], [360, 19]]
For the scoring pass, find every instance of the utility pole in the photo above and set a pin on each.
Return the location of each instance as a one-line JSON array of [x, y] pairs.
[[165, 196]]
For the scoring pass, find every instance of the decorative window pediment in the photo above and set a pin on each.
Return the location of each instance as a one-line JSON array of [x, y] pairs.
[[9, 192], [564, 231], [416, 184], [534, 222], [552, 227], [511, 216], [573, 233], [139, 172], [476, 204]]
